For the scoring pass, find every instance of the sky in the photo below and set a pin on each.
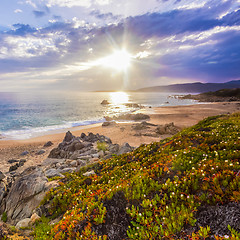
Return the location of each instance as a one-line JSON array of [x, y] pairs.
[[88, 45]]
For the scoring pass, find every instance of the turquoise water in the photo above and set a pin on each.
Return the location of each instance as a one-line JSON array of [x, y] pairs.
[[25, 115]]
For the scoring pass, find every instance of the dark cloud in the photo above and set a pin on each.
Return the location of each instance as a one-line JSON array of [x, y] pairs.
[[21, 29], [39, 14], [59, 18], [232, 18], [104, 16]]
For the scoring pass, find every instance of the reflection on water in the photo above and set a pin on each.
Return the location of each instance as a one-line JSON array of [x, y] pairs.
[[119, 98]]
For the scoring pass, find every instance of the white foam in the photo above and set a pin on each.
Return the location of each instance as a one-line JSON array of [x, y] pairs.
[[29, 132]]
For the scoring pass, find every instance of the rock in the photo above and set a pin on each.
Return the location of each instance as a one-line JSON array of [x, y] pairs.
[[40, 152], [78, 146], [13, 167], [81, 163], [114, 148], [2, 176], [87, 174], [69, 170], [74, 163], [139, 116], [68, 137], [21, 162], [26, 194], [52, 172], [87, 157], [106, 124], [23, 223], [52, 161], [24, 153], [95, 155], [34, 218], [169, 128], [13, 161], [75, 156], [125, 148], [3, 191], [58, 165], [83, 135], [101, 154], [55, 153], [48, 144], [129, 117], [105, 102]]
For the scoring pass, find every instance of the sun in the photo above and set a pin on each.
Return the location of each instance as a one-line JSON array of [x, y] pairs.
[[119, 60]]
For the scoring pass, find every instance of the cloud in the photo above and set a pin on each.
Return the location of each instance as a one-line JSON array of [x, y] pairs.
[[18, 11], [103, 2], [104, 16], [182, 44], [69, 3], [39, 14], [21, 29]]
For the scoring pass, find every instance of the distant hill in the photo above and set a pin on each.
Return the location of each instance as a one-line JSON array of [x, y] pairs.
[[223, 95], [197, 87]]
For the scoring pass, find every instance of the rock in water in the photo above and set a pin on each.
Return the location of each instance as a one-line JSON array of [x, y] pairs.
[[105, 102], [26, 194]]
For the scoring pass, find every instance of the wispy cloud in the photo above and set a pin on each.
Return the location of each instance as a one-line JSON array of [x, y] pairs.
[[18, 10]]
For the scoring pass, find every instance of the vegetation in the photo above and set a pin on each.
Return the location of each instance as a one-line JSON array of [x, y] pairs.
[[102, 146], [166, 190], [4, 217]]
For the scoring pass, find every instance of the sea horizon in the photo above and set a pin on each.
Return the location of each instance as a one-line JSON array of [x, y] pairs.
[[28, 115]]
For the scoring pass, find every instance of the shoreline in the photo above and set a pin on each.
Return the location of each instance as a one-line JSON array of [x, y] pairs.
[[182, 116]]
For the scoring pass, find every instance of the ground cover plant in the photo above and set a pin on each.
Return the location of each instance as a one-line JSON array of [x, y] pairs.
[[184, 187]]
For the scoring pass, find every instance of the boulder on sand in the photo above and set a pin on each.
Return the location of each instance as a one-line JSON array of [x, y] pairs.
[[168, 128]]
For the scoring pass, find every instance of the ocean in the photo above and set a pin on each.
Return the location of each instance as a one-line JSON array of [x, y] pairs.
[[26, 115]]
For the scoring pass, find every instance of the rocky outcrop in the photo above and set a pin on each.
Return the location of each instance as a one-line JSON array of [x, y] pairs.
[[129, 117], [26, 194], [168, 128], [125, 148], [77, 147], [21, 193]]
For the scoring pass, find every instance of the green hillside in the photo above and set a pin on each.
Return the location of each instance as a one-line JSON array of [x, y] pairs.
[[184, 187]]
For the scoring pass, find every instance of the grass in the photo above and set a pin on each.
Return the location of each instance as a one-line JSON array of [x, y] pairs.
[[159, 191]]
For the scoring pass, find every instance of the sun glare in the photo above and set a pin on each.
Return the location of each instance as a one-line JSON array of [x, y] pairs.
[[119, 98], [119, 60]]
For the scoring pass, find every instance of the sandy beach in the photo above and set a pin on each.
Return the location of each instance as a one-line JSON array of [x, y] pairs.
[[181, 116]]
